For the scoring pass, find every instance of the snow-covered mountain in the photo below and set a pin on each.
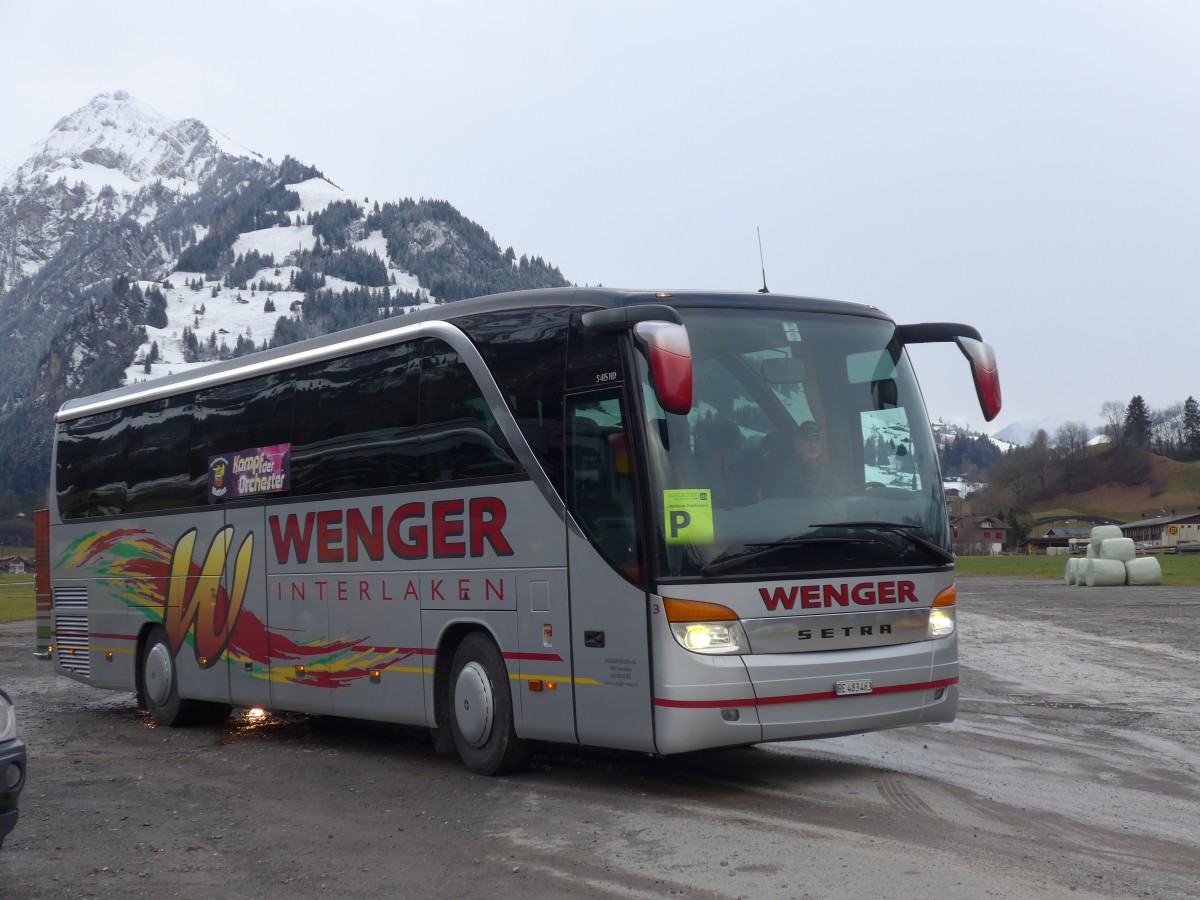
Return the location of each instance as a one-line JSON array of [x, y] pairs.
[[233, 315], [1021, 433], [133, 245]]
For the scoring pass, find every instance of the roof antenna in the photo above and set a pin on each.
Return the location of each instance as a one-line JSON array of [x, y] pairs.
[[763, 289]]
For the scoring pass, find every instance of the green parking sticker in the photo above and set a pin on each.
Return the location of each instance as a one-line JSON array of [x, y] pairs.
[[687, 516]]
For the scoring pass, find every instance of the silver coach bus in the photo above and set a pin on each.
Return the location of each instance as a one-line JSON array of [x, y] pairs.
[[661, 522]]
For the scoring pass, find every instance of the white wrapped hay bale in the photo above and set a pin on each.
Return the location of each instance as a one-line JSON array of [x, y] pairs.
[[1092, 552], [1105, 572], [1121, 549], [1143, 571], [1072, 567], [1102, 533]]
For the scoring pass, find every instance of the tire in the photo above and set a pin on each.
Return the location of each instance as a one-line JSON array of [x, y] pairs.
[[159, 689], [481, 717]]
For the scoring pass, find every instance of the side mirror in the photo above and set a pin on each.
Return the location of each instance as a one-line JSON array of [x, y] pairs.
[[983, 370], [979, 354], [670, 354], [660, 334]]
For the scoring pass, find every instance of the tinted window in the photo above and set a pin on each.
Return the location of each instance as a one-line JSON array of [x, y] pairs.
[[593, 358], [91, 466], [459, 435], [159, 445], [600, 494], [526, 351], [355, 422], [240, 416]]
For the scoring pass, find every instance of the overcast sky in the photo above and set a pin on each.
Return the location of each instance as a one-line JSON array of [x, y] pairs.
[[1032, 168]]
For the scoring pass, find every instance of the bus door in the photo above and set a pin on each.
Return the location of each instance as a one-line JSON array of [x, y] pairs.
[[245, 583], [299, 588], [609, 633]]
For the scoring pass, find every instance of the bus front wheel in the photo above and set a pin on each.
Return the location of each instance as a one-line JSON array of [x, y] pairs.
[[159, 688], [482, 708]]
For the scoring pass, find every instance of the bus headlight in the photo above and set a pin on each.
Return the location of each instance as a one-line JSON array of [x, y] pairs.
[[706, 627], [710, 637], [941, 622], [941, 616]]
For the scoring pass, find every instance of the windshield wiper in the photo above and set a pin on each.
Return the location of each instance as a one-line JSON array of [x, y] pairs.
[[900, 528], [751, 552]]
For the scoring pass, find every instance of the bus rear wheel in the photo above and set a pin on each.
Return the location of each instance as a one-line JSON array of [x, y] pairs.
[[159, 689], [481, 705]]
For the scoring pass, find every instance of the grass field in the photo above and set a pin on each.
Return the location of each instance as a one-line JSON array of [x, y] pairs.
[[16, 591], [1179, 570], [16, 598]]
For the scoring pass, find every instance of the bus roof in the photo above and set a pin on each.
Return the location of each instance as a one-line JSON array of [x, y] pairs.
[[278, 358]]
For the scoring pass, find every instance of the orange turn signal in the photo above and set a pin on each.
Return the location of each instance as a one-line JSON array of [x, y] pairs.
[[697, 611], [948, 597]]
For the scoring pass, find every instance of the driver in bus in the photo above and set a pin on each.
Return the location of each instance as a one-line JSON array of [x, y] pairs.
[[797, 466]]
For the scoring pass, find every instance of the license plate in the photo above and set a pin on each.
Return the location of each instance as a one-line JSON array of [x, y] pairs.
[[845, 688]]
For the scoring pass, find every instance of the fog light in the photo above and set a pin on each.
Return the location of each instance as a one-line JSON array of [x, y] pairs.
[[731, 715], [12, 775]]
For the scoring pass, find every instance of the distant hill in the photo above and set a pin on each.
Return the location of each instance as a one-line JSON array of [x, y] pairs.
[[1169, 487], [1114, 480]]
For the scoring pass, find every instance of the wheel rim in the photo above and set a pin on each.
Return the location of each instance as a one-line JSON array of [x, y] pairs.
[[473, 704], [158, 674]]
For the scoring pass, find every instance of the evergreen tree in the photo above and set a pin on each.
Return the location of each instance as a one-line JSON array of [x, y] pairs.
[[156, 314], [1191, 424], [1137, 421]]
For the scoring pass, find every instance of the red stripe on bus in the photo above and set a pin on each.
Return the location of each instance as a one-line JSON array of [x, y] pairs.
[[111, 637], [800, 698], [376, 648], [534, 657]]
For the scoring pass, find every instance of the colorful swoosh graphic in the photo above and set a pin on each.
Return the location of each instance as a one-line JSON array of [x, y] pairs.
[[199, 606]]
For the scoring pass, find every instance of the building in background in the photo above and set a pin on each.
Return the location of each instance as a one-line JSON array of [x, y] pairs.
[[1179, 533], [980, 536]]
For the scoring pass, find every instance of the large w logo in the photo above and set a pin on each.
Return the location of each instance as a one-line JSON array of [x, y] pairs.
[[199, 601]]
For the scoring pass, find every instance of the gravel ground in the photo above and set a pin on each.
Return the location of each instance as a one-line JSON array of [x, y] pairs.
[[1073, 770]]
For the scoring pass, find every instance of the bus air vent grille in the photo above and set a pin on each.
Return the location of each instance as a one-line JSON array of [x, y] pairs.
[[71, 644], [71, 597]]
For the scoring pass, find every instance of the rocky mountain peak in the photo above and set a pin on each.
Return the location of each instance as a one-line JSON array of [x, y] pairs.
[[119, 141]]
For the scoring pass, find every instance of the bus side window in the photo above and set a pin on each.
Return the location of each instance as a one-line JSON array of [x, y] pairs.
[[593, 358], [91, 466], [526, 353], [243, 415], [459, 437], [159, 453], [599, 478], [355, 422]]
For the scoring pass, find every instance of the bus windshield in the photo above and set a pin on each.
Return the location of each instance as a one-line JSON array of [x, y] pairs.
[[807, 450]]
